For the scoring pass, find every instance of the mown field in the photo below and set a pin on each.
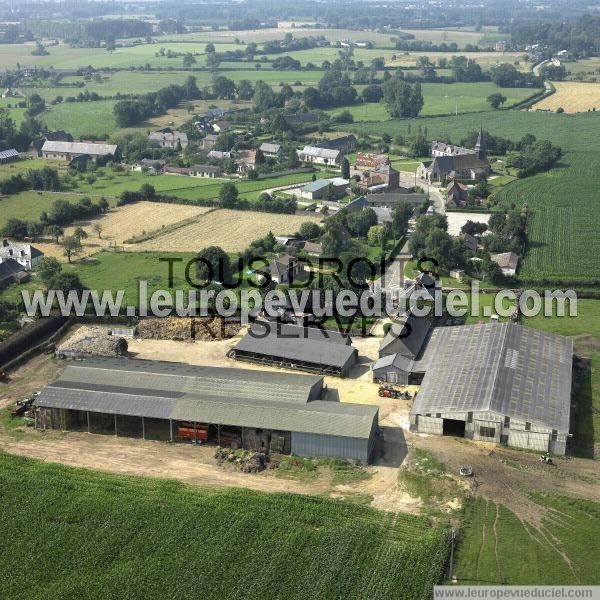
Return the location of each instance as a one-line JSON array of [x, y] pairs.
[[565, 224], [572, 97], [496, 547], [97, 535]]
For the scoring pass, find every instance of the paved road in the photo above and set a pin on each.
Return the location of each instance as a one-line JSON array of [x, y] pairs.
[[407, 179], [392, 279]]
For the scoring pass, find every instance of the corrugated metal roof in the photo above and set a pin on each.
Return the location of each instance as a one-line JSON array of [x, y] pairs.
[[12, 153], [506, 368], [245, 398], [307, 344], [316, 152], [79, 148], [406, 335]]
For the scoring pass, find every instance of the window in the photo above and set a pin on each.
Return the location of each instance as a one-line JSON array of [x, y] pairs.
[[527, 426], [438, 415], [554, 435], [489, 432], [507, 422], [469, 417]]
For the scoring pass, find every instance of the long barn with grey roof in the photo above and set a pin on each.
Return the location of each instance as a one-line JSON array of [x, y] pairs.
[[307, 348], [497, 382], [253, 409]]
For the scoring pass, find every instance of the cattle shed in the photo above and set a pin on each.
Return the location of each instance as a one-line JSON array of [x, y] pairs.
[[256, 410], [497, 382], [311, 349]]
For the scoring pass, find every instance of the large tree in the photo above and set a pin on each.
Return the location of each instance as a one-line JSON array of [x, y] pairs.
[[401, 98], [213, 264], [228, 195]]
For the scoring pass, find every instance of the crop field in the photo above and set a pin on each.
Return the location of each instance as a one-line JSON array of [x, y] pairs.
[[81, 118], [565, 223], [444, 98], [498, 548], [124, 222], [229, 543], [232, 230], [572, 97], [485, 59]]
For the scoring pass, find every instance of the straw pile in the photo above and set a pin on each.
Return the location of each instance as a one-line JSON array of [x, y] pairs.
[[187, 329], [92, 341]]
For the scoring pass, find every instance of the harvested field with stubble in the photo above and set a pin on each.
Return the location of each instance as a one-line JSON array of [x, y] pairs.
[[572, 97], [122, 223], [232, 230]]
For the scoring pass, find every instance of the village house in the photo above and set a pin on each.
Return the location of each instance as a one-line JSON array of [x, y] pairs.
[[149, 165], [507, 261], [381, 177], [68, 150], [167, 138], [470, 242], [221, 126], [271, 150], [365, 160], [443, 149], [457, 194], [313, 248], [283, 269], [218, 155], [319, 156], [209, 141], [205, 171], [25, 254], [246, 160]]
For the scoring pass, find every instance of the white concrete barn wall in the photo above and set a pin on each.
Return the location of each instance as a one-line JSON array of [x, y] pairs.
[[539, 438]]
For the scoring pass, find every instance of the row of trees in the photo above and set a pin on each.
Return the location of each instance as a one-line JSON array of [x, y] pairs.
[[33, 179]]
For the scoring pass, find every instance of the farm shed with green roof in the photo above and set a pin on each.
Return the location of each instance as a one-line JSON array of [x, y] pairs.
[[256, 410]]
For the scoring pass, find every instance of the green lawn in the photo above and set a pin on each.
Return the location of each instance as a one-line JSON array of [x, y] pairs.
[[565, 225], [98, 535], [496, 547]]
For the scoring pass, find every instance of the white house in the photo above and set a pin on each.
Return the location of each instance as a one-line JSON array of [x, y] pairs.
[[319, 156], [25, 254]]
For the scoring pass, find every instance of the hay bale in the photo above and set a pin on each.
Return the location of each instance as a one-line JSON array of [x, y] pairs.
[[92, 341]]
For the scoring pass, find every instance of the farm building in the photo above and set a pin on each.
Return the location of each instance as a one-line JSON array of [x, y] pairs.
[[283, 269], [344, 143], [403, 355], [10, 155], [68, 150], [307, 348], [256, 410], [316, 190], [497, 382]]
